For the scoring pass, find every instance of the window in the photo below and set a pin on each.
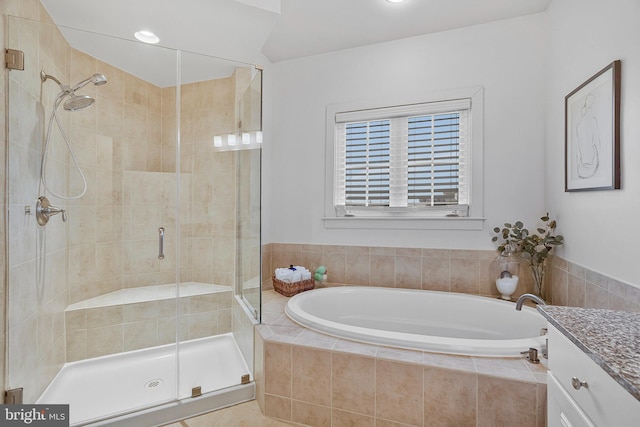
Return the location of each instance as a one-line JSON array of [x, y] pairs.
[[406, 161]]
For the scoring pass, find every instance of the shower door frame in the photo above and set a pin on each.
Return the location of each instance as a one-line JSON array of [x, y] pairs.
[[210, 400]]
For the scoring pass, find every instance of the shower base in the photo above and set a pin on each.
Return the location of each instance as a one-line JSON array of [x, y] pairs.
[[139, 388]]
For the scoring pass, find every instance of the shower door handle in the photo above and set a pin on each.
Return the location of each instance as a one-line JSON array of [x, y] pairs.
[[161, 243]]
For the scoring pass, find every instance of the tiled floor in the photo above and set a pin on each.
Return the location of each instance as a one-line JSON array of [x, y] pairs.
[[243, 415]]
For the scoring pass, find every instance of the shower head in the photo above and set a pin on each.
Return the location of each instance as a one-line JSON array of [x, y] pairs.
[[75, 102], [78, 102], [97, 79]]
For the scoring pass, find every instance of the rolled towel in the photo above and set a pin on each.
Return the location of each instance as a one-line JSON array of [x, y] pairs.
[[285, 275], [305, 273], [297, 276], [293, 274]]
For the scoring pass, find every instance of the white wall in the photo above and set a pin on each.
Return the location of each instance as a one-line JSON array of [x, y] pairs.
[[504, 57], [601, 228]]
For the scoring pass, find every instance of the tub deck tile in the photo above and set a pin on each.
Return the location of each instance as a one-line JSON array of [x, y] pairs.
[[508, 368], [309, 338], [449, 361], [353, 347]]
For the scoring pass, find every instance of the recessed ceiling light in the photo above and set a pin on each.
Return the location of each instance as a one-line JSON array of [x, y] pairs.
[[394, 1], [146, 36]]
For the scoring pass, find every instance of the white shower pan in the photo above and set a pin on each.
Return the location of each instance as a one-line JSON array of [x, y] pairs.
[[103, 387]]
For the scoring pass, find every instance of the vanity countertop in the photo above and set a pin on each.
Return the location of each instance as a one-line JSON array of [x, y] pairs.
[[610, 338]]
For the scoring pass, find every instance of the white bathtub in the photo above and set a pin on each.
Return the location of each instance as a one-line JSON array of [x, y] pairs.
[[440, 322]]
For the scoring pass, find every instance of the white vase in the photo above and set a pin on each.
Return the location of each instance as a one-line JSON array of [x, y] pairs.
[[507, 286]]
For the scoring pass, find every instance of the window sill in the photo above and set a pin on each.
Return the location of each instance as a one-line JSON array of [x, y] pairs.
[[379, 223]]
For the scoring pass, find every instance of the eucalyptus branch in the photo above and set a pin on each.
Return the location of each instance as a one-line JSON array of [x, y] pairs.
[[534, 248]]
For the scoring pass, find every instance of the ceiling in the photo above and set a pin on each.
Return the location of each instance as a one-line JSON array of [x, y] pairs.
[[243, 30], [313, 27]]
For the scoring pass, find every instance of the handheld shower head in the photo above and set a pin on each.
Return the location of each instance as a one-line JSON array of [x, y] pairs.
[[75, 102], [97, 79]]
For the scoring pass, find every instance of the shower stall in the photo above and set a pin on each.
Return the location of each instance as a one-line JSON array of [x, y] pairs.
[[136, 304]]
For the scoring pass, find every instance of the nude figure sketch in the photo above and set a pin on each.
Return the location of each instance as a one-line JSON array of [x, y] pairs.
[[588, 140], [592, 132]]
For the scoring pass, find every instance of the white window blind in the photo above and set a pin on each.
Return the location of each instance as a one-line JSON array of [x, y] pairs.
[[403, 160]]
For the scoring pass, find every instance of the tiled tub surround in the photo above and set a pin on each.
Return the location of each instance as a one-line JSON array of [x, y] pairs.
[[136, 318], [315, 379], [301, 375], [466, 271], [576, 286], [609, 338]]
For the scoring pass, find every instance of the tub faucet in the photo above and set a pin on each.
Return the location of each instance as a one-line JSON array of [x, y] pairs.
[[532, 297]]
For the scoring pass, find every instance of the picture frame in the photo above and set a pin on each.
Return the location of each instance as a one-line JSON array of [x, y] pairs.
[[592, 132]]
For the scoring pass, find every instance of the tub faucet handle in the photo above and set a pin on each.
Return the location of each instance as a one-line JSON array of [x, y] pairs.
[[532, 355]]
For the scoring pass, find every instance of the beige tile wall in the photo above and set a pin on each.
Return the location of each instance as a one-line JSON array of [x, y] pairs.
[[149, 203], [220, 182], [116, 139], [129, 158], [577, 286], [324, 384], [466, 271], [101, 331], [207, 108], [35, 322]]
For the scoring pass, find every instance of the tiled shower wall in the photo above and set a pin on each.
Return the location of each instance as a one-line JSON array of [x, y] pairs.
[[35, 320], [100, 331]]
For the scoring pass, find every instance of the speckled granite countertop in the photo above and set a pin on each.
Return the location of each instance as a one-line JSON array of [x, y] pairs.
[[610, 338]]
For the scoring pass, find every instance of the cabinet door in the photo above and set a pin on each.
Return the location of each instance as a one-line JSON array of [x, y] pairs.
[[606, 403], [562, 411]]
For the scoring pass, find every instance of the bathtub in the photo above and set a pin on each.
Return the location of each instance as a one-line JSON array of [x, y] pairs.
[[441, 322]]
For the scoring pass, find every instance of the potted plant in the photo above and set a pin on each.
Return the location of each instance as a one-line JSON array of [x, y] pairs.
[[533, 248]]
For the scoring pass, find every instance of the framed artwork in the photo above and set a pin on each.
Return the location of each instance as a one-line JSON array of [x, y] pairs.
[[592, 133]]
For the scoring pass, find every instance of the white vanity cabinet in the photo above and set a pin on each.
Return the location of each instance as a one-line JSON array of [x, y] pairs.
[[581, 394]]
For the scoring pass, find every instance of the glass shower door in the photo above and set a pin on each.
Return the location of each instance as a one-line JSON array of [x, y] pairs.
[[92, 309], [216, 341], [249, 198], [148, 291]]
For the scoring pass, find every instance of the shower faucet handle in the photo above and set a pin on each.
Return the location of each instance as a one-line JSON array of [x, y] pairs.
[[45, 210]]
